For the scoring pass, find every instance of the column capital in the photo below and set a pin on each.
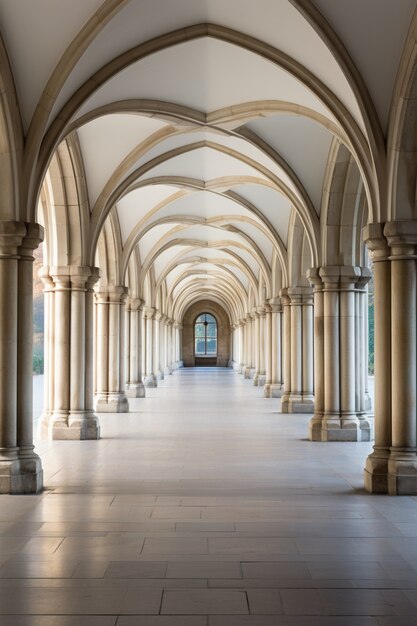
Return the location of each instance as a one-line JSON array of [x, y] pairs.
[[112, 294], [341, 276], [300, 295], [285, 298], [402, 238], [313, 277], [261, 311], [254, 313], [11, 237], [158, 315], [134, 304], [148, 312], [275, 304], [32, 239], [71, 276], [376, 242]]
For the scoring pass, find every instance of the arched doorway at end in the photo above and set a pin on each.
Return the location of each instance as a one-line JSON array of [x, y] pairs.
[[190, 355]]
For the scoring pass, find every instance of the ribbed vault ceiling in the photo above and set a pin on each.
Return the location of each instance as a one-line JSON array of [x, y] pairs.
[[204, 143]]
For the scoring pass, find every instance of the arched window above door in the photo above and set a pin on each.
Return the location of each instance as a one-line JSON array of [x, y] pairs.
[[205, 335]]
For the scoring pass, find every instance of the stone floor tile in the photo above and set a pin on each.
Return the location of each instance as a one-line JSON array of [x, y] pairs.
[[264, 601], [203, 569], [58, 620], [250, 545], [283, 571], [162, 620], [137, 569], [161, 545], [37, 569], [204, 602], [287, 620]]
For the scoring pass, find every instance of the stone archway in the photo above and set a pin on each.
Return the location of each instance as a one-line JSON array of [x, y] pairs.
[[223, 332]]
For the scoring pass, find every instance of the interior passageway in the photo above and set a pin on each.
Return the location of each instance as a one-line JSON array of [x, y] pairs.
[[202, 505]]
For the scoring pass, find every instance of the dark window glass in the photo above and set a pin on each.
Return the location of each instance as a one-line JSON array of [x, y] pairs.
[[205, 335]]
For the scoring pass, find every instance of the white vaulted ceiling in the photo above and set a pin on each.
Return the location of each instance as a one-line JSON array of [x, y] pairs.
[[204, 144]]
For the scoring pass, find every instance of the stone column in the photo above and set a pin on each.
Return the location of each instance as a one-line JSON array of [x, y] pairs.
[[180, 361], [156, 343], [167, 364], [268, 350], [174, 364], [150, 379], [262, 346], [69, 413], [315, 426], [253, 347], [248, 342], [20, 467], [241, 364], [134, 384], [276, 349], [110, 394], [402, 463], [256, 339], [342, 349], [300, 397], [286, 348]]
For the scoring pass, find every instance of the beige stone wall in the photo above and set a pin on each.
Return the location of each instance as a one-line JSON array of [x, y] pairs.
[[223, 332]]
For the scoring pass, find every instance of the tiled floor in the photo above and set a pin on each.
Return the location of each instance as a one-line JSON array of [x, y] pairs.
[[206, 507]]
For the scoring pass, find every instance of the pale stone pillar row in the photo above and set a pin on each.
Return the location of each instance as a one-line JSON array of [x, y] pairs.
[[110, 364], [286, 348], [392, 466], [241, 366], [248, 344], [268, 350], [68, 383], [262, 346], [167, 349], [134, 384], [276, 386], [339, 354], [20, 468], [150, 379], [256, 340], [157, 345], [298, 351]]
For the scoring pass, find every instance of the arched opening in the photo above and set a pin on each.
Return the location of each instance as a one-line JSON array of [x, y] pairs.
[[206, 335], [205, 339]]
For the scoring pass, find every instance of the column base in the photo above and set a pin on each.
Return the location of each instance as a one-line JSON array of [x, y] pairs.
[[72, 426], [246, 373], [160, 375], [168, 371], [261, 380], [276, 390], [112, 403], [252, 373], [315, 427], [368, 402], [255, 379], [337, 428], [20, 476], [241, 369], [135, 390], [267, 390], [298, 403], [402, 473], [375, 474], [150, 381]]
